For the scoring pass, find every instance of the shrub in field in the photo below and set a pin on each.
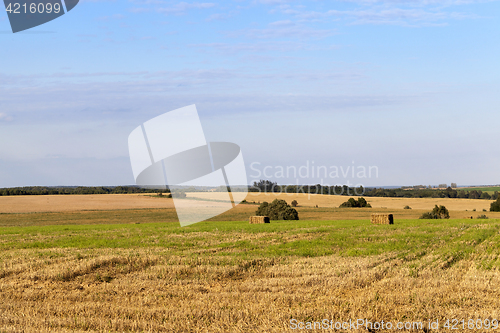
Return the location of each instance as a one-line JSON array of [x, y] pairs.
[[482, 217], [294, 203], [428, 216], [495, 206], [277, 210], [437, 213], [177, 195], [361, 202], [406, 207]]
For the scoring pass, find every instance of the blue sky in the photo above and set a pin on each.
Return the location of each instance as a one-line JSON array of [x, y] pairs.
[[411, 87]]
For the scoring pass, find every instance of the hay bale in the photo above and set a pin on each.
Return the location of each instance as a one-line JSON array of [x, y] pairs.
[[382, 218], [259, 219]]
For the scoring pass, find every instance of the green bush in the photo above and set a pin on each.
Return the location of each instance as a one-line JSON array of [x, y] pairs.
[[406, 207], [295, 203], [495, 206], [361, 202], [482, 217], [428, 216], [179, 194], [437, 213], [441, 211], [277, 210]]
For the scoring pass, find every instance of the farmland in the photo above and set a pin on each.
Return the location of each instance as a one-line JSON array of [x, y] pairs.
[[127, 265], [489, 189]]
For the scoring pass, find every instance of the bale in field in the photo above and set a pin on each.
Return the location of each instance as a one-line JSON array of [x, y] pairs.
[[259, 219], [382, 219]]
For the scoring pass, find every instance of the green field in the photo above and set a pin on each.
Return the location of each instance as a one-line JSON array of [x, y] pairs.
[[116, 271], [241, 241], [489, 189]]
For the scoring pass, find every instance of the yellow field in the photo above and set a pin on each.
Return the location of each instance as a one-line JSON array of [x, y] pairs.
[[327, 205], [99, 263], [57, 291], [311, 200], [459, 208], [68, 203]]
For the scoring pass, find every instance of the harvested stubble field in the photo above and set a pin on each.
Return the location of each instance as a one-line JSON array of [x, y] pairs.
[[68, 203], [327, 206], [136, 270]]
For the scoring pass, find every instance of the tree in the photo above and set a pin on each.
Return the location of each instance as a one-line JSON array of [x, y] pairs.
[[361, 202], [475, 194], [485, 195], [294, 203], [437, 213], [266, 186], [495, 195], [177, 194], [441, 211], [277, 210], [428, 216], [450, 193], [495, 206]]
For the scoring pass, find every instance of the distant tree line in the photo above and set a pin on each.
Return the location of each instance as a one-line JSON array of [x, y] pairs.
[[46, 190], [430, 193], [272, 187], [267, 186]]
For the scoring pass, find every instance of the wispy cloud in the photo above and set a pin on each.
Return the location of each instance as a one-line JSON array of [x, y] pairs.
[[421, 2], [274, 2], [394, 12], [139, 10], [283, 29], [219, 17], [259, 47], [183, 7], [110, 17], [5, 117], [397, 16]]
